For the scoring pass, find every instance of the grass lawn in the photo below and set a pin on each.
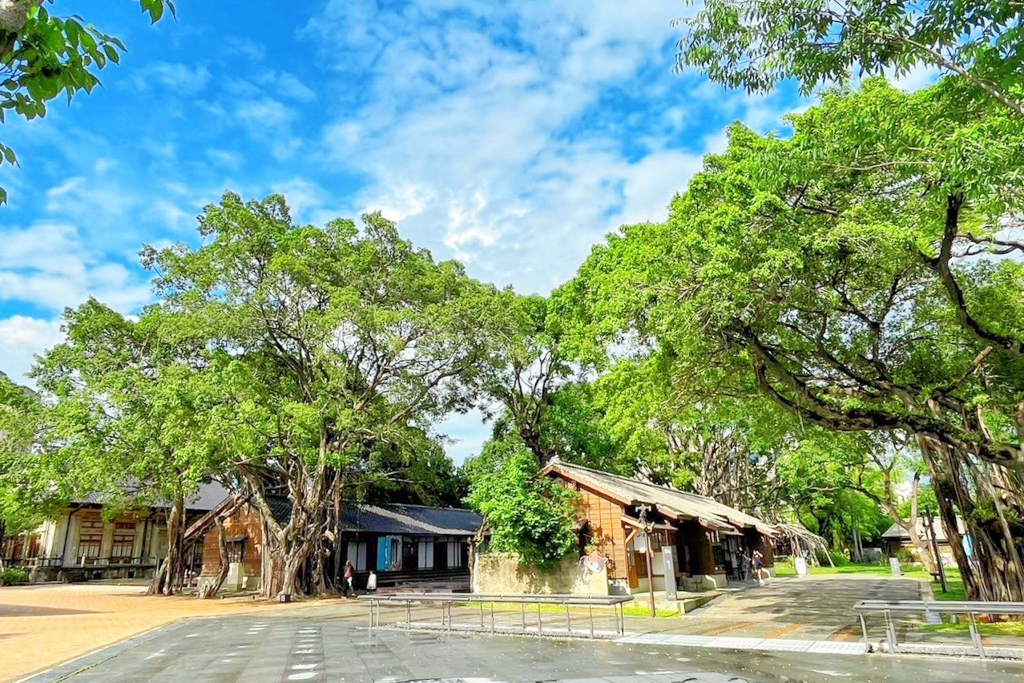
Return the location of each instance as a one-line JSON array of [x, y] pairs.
[[634, 609], [1003, 628]]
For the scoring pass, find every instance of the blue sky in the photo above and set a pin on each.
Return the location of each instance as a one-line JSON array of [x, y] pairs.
[[511, 136]]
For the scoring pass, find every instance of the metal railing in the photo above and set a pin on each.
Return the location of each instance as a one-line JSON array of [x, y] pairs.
[[487, 622], [969, 608]]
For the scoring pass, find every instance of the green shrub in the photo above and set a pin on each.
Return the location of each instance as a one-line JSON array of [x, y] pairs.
[[905, 556], [838, 559], [527, 514], [13, 577]]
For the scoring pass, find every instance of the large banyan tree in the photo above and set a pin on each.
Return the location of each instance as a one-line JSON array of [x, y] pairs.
[[331, 344], [862, 275]]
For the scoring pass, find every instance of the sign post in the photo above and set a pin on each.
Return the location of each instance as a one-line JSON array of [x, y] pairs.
[[648, 528], [670, 573]]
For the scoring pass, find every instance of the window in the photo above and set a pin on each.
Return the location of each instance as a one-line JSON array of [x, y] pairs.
[[90, 538], [357, 555], [454, 554], [124, 542], [236, 550], [425, 553]]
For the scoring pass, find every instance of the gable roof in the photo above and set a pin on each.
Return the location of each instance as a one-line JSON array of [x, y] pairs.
[[206, 497], [668, 501], [410, 520], [896, 532]]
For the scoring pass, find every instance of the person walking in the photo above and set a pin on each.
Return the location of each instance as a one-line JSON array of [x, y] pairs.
[[371, 582], [744, 566], [759, 567], [350, 573]]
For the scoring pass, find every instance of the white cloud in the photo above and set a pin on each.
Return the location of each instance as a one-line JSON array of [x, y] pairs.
[[463, 130], [225, 158], [244, 47], [21, 338], [269, 122], [48, 266], [287, 85], [265, 112], [180, 78]]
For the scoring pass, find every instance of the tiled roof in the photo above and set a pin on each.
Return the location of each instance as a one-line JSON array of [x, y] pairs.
[[896, 532], [676, 503], [410, 520], [281, 507], [28, 391], [207, 497]]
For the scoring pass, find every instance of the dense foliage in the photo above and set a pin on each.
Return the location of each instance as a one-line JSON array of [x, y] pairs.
[[845, 274], [526, 514], [339, 347]]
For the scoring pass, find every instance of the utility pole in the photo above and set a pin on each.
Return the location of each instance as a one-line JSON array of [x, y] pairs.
[[648, 528], [935, 550]]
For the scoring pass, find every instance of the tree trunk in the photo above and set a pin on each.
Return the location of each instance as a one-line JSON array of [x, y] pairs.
[[294, 562], [169, 576], [222, 574], [990, 574]]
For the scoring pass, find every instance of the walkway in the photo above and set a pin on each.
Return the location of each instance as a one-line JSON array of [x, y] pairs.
[[43, 624], [810, 608]]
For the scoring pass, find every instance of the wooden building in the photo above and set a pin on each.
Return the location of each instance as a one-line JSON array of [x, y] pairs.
[[703, 537], [83, 542], [404, 544], [896, 537]]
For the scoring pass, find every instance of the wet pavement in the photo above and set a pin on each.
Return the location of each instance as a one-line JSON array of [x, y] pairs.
[[313, 645], [808, 608]]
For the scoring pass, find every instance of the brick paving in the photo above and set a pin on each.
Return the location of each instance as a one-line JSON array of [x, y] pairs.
[[45, 624]]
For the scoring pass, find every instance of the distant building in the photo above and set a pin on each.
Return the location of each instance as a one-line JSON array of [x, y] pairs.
[[703, 537], [896, 537], [79, 542], [406, 545]]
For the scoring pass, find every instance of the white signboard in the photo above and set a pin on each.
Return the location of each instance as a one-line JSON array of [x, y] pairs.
[[670, 574], [894, 564], [801, 566]]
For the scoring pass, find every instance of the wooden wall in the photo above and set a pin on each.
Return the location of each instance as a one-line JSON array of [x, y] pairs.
[[244, 522], [606, 528]]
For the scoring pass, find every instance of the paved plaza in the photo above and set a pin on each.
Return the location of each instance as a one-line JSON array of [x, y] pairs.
[[314, 646], [788, 630], [44, 624]]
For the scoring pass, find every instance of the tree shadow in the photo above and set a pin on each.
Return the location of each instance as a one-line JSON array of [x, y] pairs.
[[11, 611]]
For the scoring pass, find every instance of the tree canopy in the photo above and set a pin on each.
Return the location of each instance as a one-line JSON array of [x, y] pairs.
[[758, 43], [851, 274], [343, 341]]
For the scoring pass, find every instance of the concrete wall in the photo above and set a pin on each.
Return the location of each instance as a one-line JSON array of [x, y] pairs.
[[500, 573]]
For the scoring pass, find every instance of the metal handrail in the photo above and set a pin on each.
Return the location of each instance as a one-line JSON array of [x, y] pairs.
[[969, 607], [547, 598], [951, 607], [446, 600]]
